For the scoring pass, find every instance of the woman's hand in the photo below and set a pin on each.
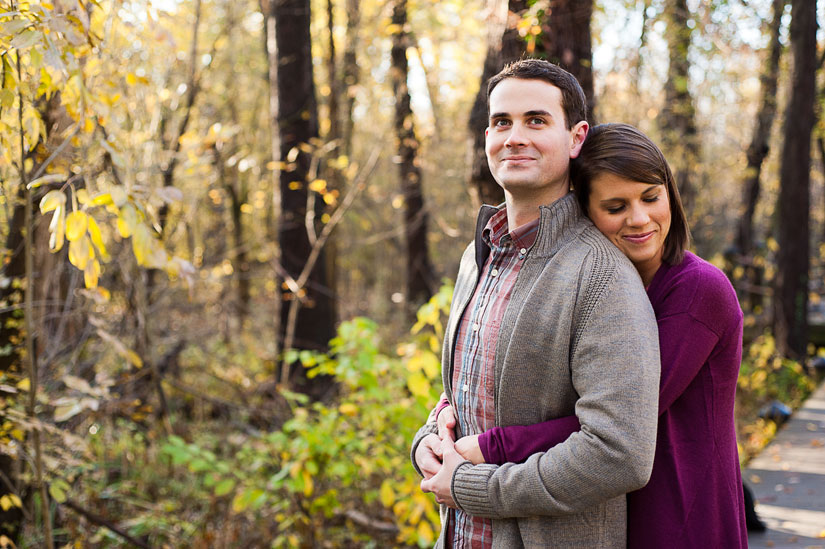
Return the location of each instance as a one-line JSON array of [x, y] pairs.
[[469, 449]]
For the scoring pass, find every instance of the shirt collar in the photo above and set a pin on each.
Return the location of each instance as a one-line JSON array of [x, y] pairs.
[[497, 234]]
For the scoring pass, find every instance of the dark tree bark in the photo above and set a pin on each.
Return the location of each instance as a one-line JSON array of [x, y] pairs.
[[420, 277], [760, 142], [793, 256], [297, 120], [505, 46], [350, 70], [11, 339], [677, 120], [567, 41]]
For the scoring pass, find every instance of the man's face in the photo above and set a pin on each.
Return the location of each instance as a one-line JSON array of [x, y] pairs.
[[528, 146]]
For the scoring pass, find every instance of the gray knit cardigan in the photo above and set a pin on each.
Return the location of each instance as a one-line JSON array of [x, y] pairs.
[[579, 336]]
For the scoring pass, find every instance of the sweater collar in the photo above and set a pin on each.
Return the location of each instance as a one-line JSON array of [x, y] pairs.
[[558, 223]]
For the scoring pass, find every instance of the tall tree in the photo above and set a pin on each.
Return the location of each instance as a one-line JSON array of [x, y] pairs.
[[566, 41], [350, 70], [420, 276], [793, 257], [760, 142], [677, 121], [297, 120], [504, 45]]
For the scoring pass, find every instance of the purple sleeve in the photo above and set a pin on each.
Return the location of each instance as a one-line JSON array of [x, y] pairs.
[[443, 403], [516, 443]]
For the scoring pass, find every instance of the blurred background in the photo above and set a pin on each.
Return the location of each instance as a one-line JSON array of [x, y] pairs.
[[230, 227]]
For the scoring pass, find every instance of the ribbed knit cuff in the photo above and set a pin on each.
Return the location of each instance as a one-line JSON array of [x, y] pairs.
[[469, 489], [428, 428]]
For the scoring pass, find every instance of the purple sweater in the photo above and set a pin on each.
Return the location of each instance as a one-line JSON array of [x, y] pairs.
[[694, 497]]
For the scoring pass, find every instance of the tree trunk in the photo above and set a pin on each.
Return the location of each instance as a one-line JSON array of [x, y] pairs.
[[504, 46], [297, 120], [793, 257], [760, 142], [420, 277], [677, 121], [350, 70], [566, 41], [11, 337]]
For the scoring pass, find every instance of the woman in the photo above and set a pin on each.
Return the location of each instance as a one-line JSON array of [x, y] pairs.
[[694, 497]]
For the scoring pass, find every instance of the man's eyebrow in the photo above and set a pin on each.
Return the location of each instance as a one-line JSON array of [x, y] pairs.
[[526, 114], [500, 115], [537, 113]]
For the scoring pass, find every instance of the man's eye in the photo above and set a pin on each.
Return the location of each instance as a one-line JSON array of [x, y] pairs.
[[501, 123], [536, 121]]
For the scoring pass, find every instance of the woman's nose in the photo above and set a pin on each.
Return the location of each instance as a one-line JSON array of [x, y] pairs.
[[637, 216]]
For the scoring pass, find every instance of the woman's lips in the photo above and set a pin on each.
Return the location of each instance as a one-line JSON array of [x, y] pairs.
[[638, 238]]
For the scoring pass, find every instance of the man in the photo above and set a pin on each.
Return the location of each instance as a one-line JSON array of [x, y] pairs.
[[548, 319]]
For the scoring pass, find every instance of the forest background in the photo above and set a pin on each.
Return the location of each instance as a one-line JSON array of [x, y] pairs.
[[229, 230]]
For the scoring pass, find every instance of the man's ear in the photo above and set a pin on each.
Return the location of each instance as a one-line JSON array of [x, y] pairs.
[[577, 137], [486, 131]]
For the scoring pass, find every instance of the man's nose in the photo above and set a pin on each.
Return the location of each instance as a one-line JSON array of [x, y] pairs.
[[517, 136]]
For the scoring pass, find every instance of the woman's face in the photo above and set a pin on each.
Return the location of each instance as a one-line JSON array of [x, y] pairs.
[[635, 216]]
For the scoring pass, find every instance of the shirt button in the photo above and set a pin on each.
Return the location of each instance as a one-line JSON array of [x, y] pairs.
[[523, 251], [494, 273], [465, 388], [476, 326]]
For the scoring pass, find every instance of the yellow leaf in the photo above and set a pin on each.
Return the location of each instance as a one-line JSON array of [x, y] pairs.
[[101, 199], [18, 434], [425, 532], [51, 201], [145, 247], [134, 358], [5, 503], [24, 384], [131, 79], [348, 409], [76, 225], [308, 485], [80, 252], [126, 220], [418, 384], [91, 273], [387, 494], [16, 500], [97, 239], [319, 186]]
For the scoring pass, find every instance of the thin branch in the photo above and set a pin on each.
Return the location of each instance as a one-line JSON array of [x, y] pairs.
[[356, 187], [100, 521]]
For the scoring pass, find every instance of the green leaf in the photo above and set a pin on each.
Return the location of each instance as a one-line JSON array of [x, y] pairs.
[[224, 487], [58, 489]]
